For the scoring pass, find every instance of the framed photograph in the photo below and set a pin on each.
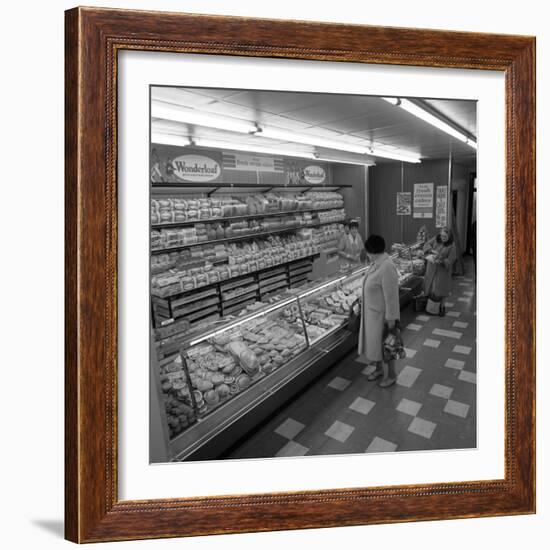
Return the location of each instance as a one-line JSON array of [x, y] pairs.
[[300, 275]]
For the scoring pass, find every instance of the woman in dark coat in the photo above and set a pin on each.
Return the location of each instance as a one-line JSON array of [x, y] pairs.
[[440, 254]]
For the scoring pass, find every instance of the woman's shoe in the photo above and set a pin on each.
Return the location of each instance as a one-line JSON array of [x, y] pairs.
[[370, 369], [373, 376], [387, 382]]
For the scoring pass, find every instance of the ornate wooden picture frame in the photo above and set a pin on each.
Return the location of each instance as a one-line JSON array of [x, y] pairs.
[[94, 37]]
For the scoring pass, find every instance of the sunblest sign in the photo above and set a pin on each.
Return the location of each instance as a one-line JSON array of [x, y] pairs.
[[196, 168], [314, 174]]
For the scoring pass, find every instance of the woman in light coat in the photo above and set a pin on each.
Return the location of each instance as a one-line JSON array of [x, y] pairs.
[[440, 253], [380, 309]]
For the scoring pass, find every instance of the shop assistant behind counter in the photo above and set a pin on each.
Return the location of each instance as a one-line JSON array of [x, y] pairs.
[[351, 246]]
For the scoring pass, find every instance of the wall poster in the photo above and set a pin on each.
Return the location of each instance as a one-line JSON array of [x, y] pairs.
[[403, 203], [423, 200], [441, 206]]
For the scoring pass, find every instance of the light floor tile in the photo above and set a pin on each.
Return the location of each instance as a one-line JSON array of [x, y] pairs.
[[290, 428], [466, 300], [469, 279], [421, 427], [453, 313], [410, 352], [362, 406], [339, 383], [413, 326], [409, 407], [340, 431], [379, 445], [456, 408], [468, 293], [464, 284], [467, 376], [454, 364], [407, 377], [448, 333], [440, 390], [449, 304], [465, 350], [431, 343], [292, 449], [460, 324], [422, 318]]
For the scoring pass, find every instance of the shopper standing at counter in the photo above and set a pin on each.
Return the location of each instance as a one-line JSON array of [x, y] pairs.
[[350, 246], [440, 254], [380, 309]]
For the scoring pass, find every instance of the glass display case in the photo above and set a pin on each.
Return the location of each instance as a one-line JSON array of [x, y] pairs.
[[210, 377], [216, 366], [326, 307], [409, 260]]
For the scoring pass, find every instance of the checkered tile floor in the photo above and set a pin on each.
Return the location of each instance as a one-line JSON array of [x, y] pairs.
[[432, 405]]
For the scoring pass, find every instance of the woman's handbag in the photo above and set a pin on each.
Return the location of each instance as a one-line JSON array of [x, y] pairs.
[[392, 343], [435, 306], [354, 319]]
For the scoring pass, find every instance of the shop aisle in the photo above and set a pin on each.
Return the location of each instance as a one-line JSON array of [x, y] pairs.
[[432, 405]]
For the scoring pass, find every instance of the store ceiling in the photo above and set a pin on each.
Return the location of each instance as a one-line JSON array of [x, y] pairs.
[[361, 120]]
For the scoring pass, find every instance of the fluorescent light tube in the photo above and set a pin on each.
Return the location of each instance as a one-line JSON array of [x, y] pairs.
[[393, 156], [307, 139], [169, 139], [343, 161], [252, 148], [426, 116], [417, 111], [176, 113]]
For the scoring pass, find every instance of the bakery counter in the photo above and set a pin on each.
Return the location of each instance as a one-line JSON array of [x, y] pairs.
[[227, 378], [213, 436]]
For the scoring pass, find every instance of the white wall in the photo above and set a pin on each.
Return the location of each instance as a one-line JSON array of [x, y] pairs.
[[32, 320]]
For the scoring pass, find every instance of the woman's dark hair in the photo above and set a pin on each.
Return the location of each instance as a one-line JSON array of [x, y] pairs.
[[450, 240], [375, 244], [353, 224]]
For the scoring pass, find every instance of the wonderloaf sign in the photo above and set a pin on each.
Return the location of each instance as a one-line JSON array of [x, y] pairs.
[[196, 168]]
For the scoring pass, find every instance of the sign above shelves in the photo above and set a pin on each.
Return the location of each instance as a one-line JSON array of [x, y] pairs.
[[171, 164]]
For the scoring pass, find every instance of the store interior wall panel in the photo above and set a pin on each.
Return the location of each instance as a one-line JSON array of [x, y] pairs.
[[428, 171], [460, 179], [384, 183]]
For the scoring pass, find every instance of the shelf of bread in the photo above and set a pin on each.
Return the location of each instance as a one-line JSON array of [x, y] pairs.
[[191, 209], [250, 257], [178, 238]]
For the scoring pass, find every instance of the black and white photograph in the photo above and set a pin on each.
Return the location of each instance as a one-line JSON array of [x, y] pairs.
[[312, 274]]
